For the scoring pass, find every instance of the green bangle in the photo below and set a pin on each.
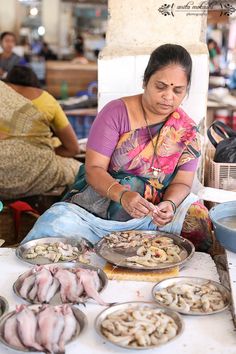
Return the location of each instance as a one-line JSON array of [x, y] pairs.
[[172, 204], [122, 193]]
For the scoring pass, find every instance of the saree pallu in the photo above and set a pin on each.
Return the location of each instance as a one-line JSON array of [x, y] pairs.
[[28, 163]]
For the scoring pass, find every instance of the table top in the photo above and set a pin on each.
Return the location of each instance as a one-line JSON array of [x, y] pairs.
[[213, 334], [81, 112], [231, 264]]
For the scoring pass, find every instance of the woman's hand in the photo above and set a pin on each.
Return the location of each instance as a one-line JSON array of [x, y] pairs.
[[135, 205], [163, 213]]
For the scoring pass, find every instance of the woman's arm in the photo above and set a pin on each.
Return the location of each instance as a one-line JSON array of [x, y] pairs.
[[69, 146], [176, 192], [97, 176]]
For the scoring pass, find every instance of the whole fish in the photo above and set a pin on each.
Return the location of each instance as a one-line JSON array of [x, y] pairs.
[[90, 280], [69, 327], [68, 289], [26, 326], [50, 328], [43, 280], [10, 333], [27, 285]]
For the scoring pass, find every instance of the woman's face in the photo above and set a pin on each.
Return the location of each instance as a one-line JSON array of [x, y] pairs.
[[165, 90], [8, 43]]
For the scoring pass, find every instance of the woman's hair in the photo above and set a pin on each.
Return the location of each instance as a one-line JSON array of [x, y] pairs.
[[168, 54], [4, 34], [23, 76]]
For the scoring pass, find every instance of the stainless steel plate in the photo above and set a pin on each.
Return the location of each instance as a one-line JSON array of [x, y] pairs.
[[127, 305], [118, 256], [56, 299], [81, 244], [3, 306], [193, 280], [79, 315]]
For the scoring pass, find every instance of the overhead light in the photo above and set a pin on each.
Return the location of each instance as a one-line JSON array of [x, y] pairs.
[[34, 11], [41, 30]]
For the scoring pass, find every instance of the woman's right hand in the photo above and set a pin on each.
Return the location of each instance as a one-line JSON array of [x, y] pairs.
[[135, 205]]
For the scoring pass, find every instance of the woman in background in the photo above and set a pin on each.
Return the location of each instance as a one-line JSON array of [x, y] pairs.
[[79, 52], [7, 58], [28, 117]]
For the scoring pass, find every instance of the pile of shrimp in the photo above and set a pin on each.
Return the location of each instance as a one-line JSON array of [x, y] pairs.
[[154, 251], [55, 252], [186, 296], [139, 327], [125, 239], [151, 250]]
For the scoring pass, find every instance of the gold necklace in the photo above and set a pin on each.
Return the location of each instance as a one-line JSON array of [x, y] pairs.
[[155, 171]]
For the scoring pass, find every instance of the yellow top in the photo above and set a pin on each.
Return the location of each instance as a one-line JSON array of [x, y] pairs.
[[51, 110]]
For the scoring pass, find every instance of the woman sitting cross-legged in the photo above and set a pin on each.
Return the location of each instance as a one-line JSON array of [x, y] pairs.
[[142, 154], [29, 116]]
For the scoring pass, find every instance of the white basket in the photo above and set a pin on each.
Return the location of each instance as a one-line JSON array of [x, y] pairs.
[[222, 175]]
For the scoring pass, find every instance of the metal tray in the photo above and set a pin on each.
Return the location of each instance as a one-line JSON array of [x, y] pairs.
[[175, 280], [3, 306], [79, 315], [127, 305], [56, 299], [118, 256], [82, 245]]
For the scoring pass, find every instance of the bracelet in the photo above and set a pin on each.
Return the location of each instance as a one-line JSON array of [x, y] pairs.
[[110, 187], [172, 204], [122, 193]]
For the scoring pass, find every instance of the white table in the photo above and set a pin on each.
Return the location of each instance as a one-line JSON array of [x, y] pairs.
[[213, 334], [231, 264]]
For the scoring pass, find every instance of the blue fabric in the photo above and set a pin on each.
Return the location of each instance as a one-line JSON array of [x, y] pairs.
[[69, 220]]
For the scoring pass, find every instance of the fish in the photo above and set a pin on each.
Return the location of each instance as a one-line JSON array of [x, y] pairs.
[[50, 328], [69, 327], [69, 289], [90, 281], [26, 326], [27, 285], [43, 280], [52, 290], [10, 333]]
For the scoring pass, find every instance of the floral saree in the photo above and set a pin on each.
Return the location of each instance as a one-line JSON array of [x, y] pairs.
[[132, 164]]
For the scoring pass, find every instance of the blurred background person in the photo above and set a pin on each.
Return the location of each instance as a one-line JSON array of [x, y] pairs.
[[8, 58], [47, 53], [29, 116], [214, 52], [79, 52]]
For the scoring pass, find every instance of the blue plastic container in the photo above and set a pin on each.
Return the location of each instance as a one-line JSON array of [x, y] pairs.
[[1, 206], [224, 234]]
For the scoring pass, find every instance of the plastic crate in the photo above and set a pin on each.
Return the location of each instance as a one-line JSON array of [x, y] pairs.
[[222, 175]]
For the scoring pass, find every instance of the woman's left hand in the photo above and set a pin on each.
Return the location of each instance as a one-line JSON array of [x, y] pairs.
[[163, 214]]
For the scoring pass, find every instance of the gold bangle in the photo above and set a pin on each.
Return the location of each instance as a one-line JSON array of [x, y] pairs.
[[110, 187], [121, 195]]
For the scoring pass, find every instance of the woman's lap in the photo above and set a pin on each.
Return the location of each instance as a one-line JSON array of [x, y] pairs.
[[69, 220], [29, 169]]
